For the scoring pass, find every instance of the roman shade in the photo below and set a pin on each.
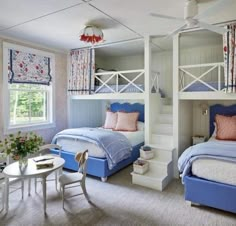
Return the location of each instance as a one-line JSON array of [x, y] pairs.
[[28, 68]]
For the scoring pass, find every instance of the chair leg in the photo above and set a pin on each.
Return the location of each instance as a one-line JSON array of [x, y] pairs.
[[56, 179], [63, 196], [82, 184], [22, 188], [3, 196]]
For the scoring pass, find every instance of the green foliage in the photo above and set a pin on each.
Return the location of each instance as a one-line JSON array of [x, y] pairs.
[[21, 144]]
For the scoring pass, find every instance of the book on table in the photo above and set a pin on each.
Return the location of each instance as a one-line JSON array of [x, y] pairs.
[[44, 164]]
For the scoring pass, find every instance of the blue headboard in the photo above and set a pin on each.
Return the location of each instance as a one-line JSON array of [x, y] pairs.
[[221, 110], [127, 107]]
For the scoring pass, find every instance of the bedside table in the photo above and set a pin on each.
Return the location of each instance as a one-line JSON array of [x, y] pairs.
[[198, 139]]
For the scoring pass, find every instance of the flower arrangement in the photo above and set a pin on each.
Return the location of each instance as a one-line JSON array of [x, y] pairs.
[[19, 145]]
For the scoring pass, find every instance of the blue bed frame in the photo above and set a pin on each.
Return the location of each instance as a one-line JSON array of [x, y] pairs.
[[210, 193], [98, 166]]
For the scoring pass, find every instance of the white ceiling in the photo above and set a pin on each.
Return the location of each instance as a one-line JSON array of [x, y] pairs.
[[57, 23]]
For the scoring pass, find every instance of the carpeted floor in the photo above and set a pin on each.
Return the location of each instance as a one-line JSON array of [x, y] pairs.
[[117, 202]]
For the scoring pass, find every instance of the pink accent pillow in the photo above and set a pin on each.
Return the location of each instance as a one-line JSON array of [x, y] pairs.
[[111, 120], [226, 127], [127, 121]]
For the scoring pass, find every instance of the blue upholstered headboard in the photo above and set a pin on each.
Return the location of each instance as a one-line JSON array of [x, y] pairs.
[[127, 107], [221, 110]]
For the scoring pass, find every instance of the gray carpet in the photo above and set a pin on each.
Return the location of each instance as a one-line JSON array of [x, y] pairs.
[[117, 202]]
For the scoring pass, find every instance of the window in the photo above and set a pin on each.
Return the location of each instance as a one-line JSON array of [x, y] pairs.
[[28, 88]]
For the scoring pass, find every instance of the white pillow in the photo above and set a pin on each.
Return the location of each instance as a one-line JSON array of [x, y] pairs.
[[140, 126]]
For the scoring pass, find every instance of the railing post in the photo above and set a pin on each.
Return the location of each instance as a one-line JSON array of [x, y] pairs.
[[219, 77]]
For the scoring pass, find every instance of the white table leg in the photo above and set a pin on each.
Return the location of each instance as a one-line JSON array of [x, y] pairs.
[[29, 186], [44, 183], [6, 193]]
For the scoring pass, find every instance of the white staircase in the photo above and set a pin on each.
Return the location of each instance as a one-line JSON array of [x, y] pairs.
[[161, 166]]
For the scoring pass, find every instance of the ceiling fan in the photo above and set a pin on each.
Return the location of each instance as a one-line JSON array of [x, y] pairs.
[[192, 18]]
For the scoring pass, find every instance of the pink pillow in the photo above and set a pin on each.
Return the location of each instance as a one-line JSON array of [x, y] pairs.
[[127, 121], [226, 127], [111, 120]]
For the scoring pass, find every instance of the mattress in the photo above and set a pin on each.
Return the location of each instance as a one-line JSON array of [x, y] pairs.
[[76, 145], [200, 87], [215, 170], [129, 89]]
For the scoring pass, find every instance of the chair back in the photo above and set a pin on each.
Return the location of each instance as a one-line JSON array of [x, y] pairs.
[[50, 146], [4, 161], [81, 158]]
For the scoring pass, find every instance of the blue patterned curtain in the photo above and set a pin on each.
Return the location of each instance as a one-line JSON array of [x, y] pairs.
[[81, 78], [230, 58], [28, 68]]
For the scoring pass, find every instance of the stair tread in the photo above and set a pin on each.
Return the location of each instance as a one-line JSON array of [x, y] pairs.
[[151, 175], [166, 147], [159, 159]]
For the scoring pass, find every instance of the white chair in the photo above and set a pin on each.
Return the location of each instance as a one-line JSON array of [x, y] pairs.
[[5, 160], [41, 151], [75, 178]]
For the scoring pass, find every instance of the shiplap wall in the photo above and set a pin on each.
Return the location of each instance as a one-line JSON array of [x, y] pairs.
[[201, 121], [86, 113]]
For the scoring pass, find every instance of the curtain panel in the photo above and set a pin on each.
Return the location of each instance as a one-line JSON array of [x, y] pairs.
[[28, 68], [229, 42], [81, 78]]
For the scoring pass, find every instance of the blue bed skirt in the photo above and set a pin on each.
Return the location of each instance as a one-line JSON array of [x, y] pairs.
[[210, 193], [98, 166]]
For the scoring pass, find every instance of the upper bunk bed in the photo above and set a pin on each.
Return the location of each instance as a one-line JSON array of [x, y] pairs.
[[127, 84], [204, 70]]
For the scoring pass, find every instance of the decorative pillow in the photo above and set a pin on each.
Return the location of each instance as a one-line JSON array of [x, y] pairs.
[[127, 121], [226, 127], [111, 120], [140, 126]]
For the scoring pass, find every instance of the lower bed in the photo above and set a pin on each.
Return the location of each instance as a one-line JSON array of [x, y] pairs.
[[97, 164]]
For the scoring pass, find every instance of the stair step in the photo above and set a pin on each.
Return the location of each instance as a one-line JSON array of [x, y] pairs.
[[164, 148], [162, 139], [163, 128], [159, 159], [167, 109], [150, 179], [165, 118]]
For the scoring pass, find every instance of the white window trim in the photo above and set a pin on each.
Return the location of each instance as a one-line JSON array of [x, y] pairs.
[[51, 104]]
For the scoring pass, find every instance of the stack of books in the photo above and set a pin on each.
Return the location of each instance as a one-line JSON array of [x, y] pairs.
[[43, 162]]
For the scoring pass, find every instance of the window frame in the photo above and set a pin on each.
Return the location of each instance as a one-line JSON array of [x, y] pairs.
[[50, 123]]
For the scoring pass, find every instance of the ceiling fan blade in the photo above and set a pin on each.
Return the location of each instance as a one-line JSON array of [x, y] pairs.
[[166, 17], [162, 41], [217, 7], [175, 31], [219, 30]]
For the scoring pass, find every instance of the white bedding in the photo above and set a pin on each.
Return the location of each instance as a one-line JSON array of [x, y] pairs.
[[215, 170], [75, 145]]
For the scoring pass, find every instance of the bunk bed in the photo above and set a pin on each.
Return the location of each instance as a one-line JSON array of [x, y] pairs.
[[98, 166], [208, 181], [202, 81], [128, 84]]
